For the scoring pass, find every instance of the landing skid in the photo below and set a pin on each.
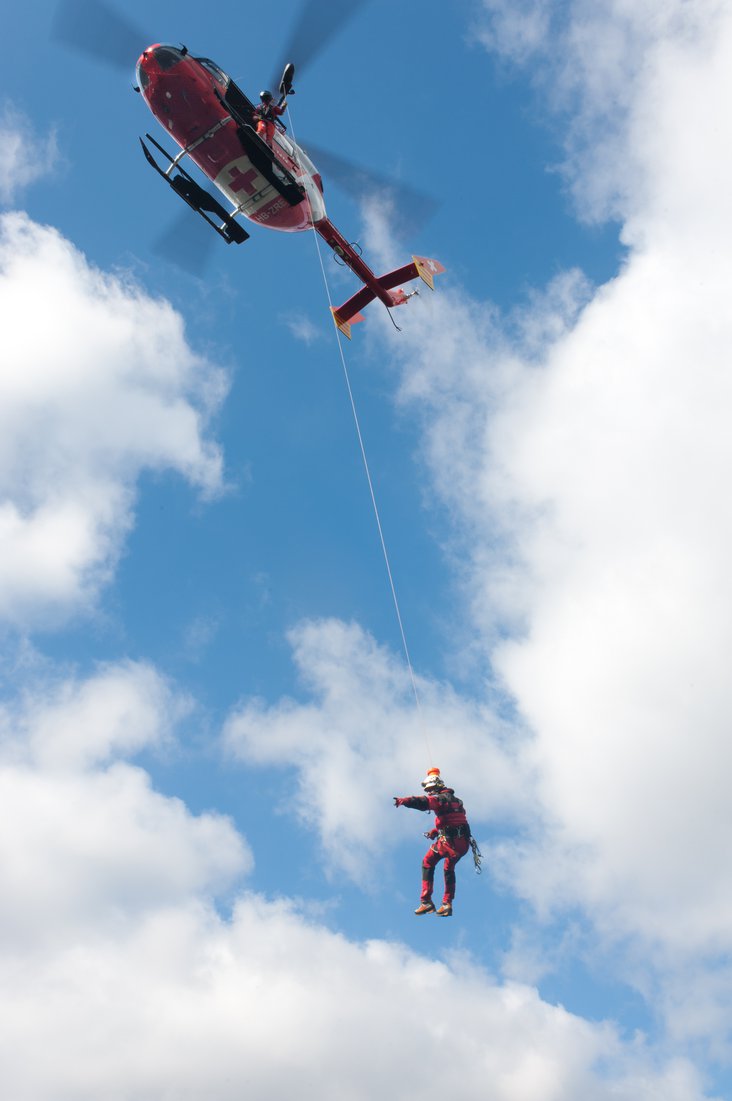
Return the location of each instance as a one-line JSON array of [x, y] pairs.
[[195, 196]]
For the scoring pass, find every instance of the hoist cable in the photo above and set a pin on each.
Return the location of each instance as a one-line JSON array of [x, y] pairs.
[[372, 493]]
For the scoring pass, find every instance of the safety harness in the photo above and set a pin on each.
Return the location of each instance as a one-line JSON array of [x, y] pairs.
[[449, 832]]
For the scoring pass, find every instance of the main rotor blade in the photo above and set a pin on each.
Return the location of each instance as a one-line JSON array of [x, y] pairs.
[[318, 22], [187, 242], [94, 28], [412, 207]]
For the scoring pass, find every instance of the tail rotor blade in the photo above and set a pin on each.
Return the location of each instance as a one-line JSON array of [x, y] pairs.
[[94, 28]]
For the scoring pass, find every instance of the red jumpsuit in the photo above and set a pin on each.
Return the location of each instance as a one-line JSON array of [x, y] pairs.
[[451, 834], [265, 115]]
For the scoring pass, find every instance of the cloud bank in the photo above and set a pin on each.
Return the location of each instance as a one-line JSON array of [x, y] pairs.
[[118, 966], [97, 385], [188, 1006], [120, 962], [86, 844], [604, 452]]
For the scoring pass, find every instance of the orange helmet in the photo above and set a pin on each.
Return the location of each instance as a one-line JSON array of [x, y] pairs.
[[433, 781]]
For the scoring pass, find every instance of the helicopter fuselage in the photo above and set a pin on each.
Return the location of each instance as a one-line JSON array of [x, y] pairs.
[[188, 97]]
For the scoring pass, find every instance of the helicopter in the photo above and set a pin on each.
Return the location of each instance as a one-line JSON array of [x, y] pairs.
[[269, 180], [274, 184]]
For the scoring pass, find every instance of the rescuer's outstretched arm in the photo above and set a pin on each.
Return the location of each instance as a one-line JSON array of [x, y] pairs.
[[414, 802]]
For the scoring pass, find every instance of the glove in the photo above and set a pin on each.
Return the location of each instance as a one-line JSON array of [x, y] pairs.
[[397, 802], [432, 834]]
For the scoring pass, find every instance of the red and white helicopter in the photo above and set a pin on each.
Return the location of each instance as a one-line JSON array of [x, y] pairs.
[[274, 184]]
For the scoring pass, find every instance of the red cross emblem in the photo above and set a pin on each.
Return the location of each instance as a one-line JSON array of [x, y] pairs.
[[242, 181]]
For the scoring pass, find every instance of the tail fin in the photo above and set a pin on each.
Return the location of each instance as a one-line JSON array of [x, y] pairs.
[[427, 270], [348, 314], [421, 268]]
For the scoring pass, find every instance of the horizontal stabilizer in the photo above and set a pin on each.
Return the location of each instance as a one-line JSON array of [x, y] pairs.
[[345, 326], [420, 268], [382, 287], [350, 310]]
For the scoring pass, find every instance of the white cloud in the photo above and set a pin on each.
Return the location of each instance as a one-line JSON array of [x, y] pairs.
[[517, 31], [198, 636], [68, 725], [597, 64], [302, 328], [97, 384], [85, 842], [603, 464], [24, 156], [361, 739], [186, 1005], [622, 672]]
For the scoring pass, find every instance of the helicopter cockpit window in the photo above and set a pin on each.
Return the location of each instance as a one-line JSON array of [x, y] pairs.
[[167, 57], [218, 74], [142, 77]]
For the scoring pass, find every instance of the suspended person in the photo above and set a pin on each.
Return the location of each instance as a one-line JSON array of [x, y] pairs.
[[266, 114], [451, 839]]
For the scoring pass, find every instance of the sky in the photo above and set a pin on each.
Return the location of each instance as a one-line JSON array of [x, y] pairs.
[[205, 701]]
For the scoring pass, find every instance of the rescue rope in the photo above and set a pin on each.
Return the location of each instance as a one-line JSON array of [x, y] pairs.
[[375, 506], [392, 586]]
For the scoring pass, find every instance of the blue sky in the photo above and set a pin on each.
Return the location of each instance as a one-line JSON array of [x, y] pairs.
[[205, 705]]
